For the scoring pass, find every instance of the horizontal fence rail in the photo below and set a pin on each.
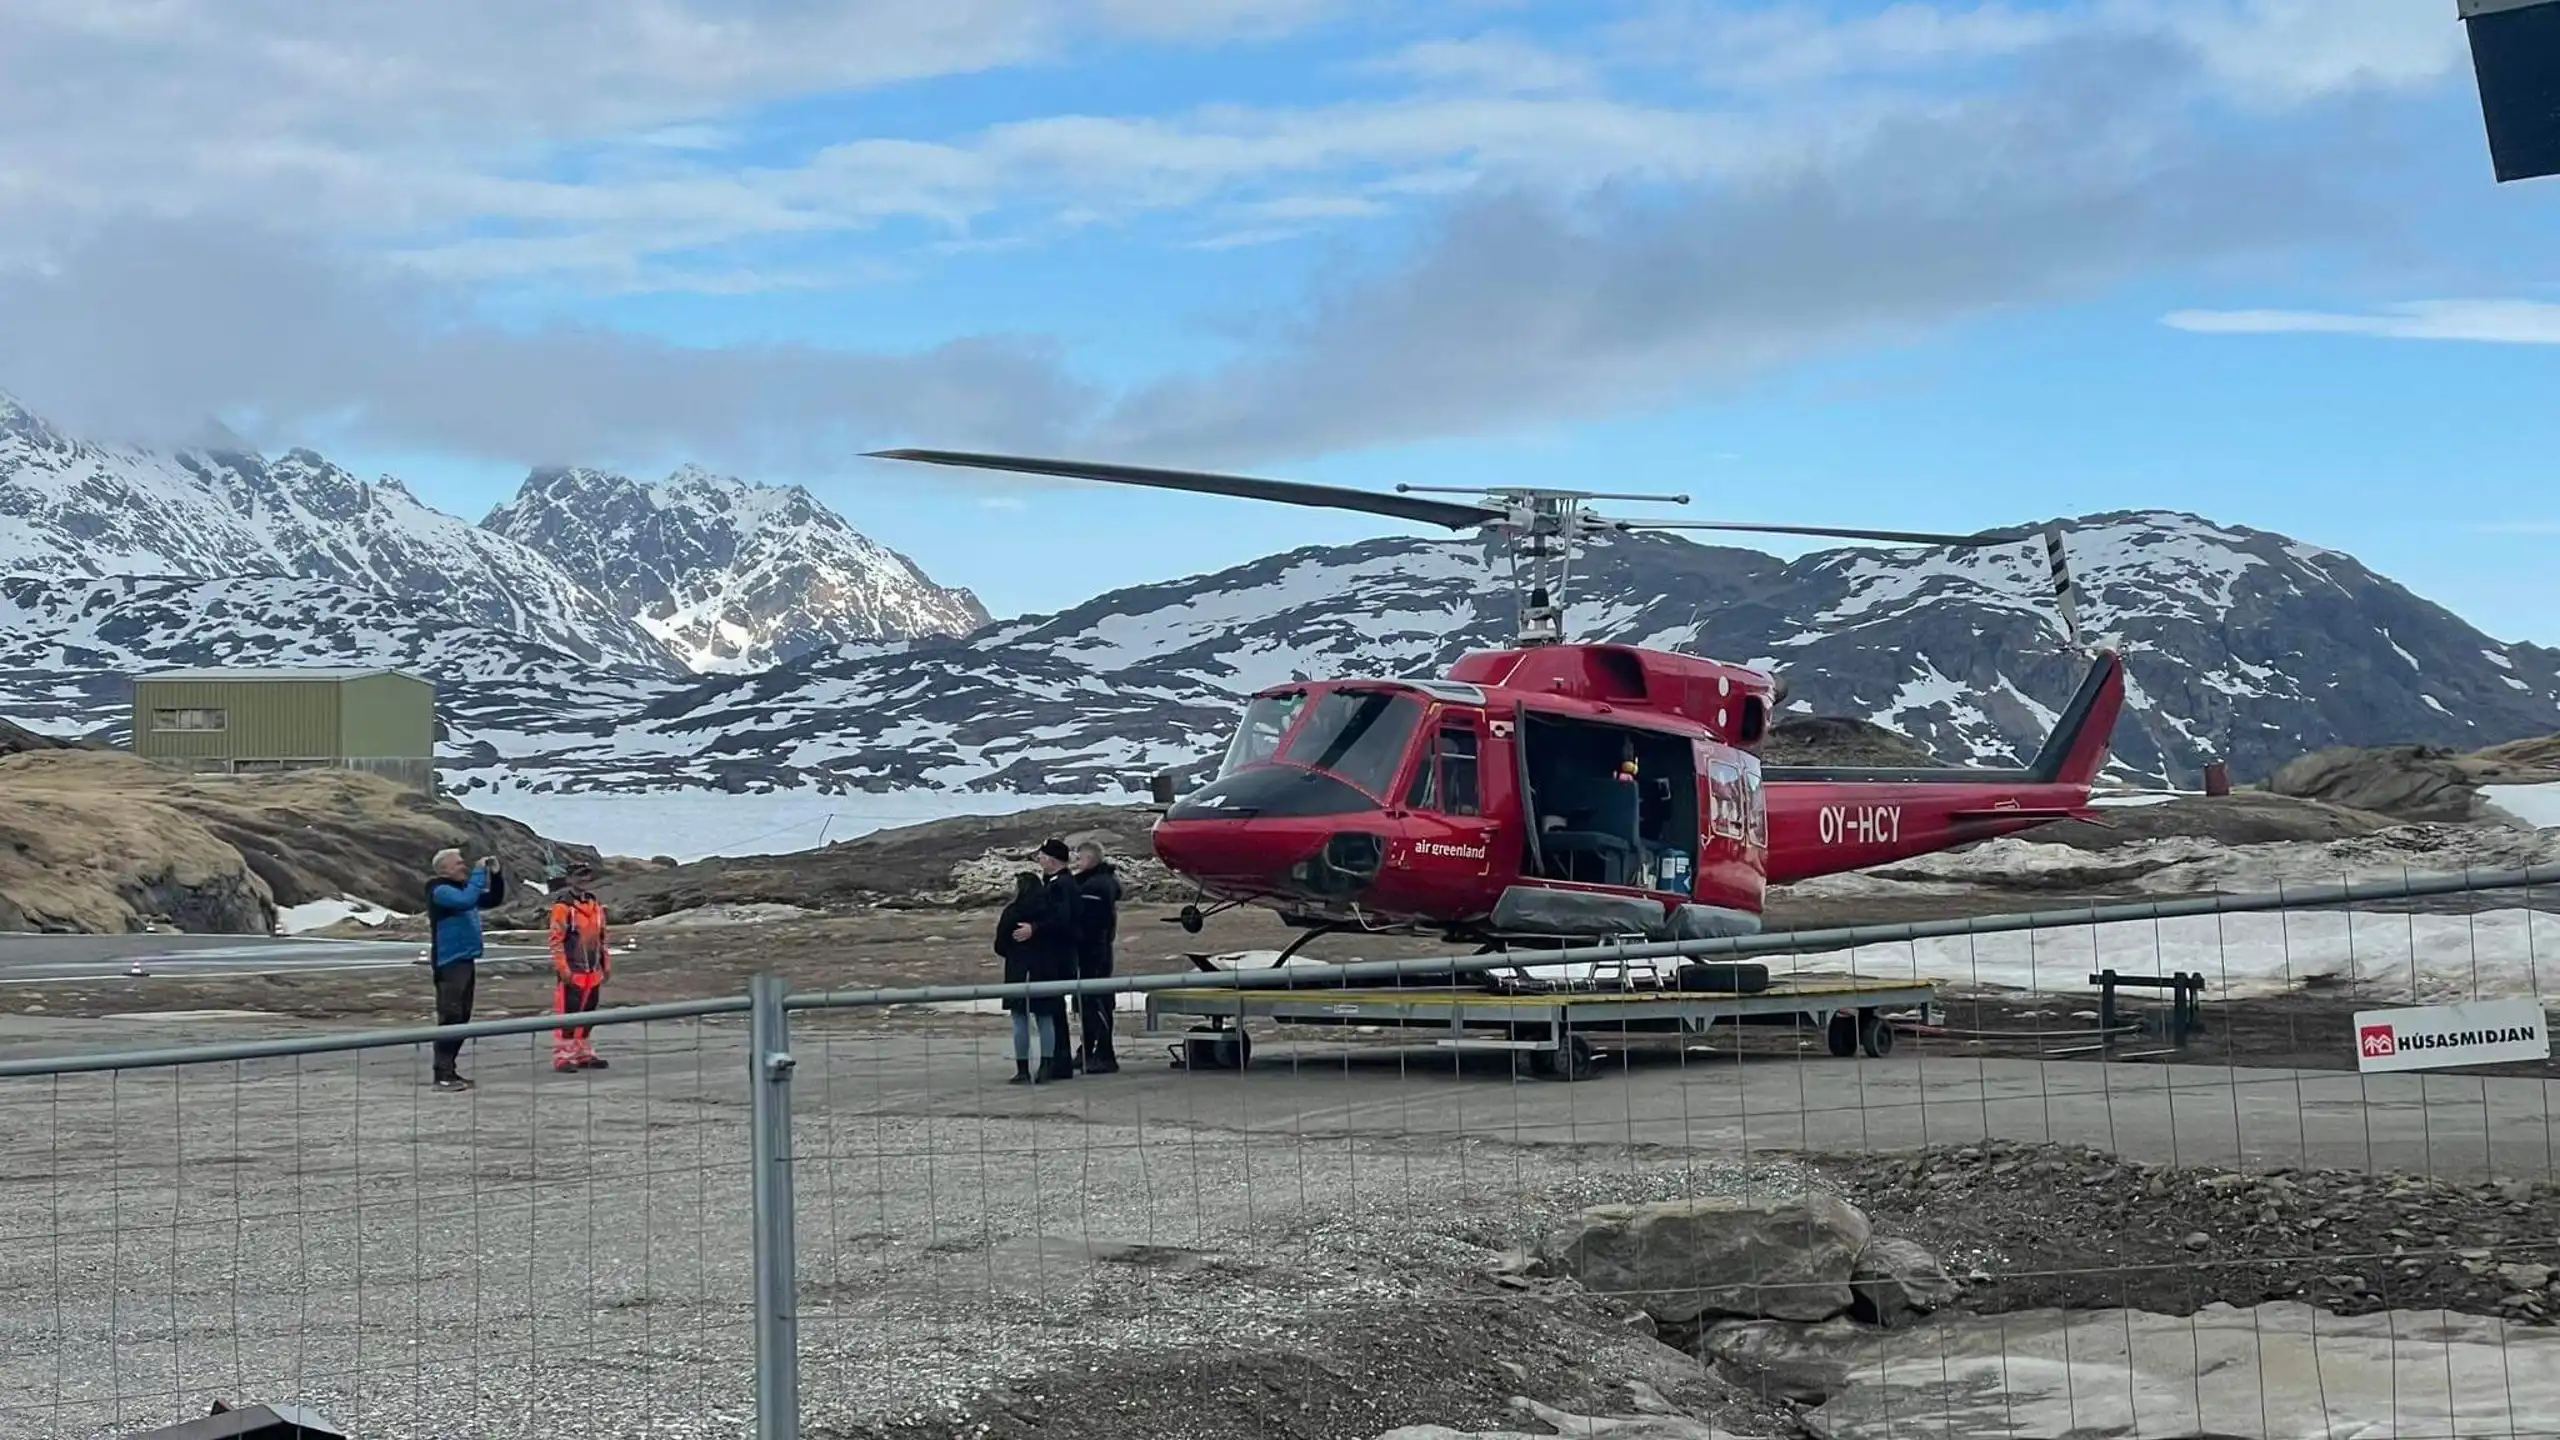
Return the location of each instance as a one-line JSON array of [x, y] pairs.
[[854, 1213], [1781, 942]]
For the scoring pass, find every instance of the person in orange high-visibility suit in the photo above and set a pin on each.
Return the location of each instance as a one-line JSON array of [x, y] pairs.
[[580, 962]]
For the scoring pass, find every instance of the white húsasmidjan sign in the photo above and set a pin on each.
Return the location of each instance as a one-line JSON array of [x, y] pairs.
[[2431, 1037]]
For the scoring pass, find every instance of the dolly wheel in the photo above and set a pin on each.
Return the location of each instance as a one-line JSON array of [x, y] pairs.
[[1842, 1034], [1192, 919], [1874, 1035], [1572, 1061]]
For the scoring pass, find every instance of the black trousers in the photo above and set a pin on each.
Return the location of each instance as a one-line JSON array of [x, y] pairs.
[[454, 984], [1096, 1008], [578, 1000]]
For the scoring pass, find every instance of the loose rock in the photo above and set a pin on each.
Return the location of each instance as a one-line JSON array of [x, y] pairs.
[[1715, 1256], [1895, 1280], [1634, 1427]]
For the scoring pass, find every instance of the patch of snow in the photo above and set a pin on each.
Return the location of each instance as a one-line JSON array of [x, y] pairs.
[[2537, 805], [2434, 704], [321, 914], [2423, 959], [2403, 654], [698, 824], [2279, 1371], [704, 916], [2498, 659]]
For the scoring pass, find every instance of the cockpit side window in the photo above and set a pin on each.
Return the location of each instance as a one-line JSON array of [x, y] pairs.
[[1446, 782]]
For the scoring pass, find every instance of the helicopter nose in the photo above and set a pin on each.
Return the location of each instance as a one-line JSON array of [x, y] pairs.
[[1281, 855], [1220, 850]]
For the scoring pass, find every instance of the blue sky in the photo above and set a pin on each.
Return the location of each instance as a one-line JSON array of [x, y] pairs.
[[1910, 264]]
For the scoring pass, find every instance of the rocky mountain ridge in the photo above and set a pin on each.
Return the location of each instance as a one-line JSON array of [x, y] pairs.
[[564, 633], [729, 576], [2240, 645], [699, 573]]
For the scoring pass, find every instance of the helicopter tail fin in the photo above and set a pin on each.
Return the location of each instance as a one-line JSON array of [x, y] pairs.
[[2077, 749]]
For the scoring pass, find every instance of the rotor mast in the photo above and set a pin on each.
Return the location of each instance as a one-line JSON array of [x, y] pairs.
[[1545, 527], [1546, 530]]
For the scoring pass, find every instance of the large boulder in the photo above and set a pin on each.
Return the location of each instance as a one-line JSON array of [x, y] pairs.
[[1686, 1260], [82, 856], [1896, 1280], [2406, 782], [102, 842], [1841, 741]]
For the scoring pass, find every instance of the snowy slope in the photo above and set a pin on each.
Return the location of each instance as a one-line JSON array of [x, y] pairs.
[[730, 576], [69, 647], [72, 509], [2240, 644]]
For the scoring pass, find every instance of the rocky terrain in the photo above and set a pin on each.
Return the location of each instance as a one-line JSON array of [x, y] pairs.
[[99, 842], [2422, 782]]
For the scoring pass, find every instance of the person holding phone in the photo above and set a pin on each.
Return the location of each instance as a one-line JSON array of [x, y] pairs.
[[456, 894]]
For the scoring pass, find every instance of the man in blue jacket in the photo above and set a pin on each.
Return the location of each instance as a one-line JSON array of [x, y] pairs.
[[456, 894]]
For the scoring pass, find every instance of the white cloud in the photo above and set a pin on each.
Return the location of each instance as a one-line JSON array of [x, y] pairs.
[[2499, 322], [1773, 47], [1187, 19], [2288, 51], [1856, 180], [2259, 52], [1501, 64], [595, 140]]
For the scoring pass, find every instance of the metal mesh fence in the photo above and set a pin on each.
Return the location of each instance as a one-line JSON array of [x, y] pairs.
[[1336, 1201], [2177, 1211], [541, 1255]]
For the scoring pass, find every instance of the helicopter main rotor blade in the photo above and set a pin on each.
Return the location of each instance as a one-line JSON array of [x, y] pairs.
[[1907, 537], [1287, 492]]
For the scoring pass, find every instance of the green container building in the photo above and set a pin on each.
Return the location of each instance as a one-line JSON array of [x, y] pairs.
[[242, 722]]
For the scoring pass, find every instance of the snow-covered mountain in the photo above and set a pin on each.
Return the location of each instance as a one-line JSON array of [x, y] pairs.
[[557, 651], [68, 648], [70, 508], [730, 576], [2241, 645]]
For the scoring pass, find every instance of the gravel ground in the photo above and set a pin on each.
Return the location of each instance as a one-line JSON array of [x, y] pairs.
[[553, 1255], [2036, 1226]]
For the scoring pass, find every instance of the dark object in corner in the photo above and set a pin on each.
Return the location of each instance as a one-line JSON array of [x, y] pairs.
[[2515, 60]]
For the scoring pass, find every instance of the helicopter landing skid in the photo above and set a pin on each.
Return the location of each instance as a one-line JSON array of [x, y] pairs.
[[1191, 917]]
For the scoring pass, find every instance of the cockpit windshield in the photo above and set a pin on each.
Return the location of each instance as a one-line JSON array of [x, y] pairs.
[[1356, 735], [1257, 738]]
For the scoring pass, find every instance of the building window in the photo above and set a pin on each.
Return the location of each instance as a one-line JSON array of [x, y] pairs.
[[191, 719]]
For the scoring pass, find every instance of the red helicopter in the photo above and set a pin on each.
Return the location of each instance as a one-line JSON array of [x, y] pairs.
[[1557, 793]]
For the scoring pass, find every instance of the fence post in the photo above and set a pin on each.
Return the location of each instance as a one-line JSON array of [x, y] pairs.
[[777, 1283]]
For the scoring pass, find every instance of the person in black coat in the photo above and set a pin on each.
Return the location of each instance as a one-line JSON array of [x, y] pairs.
[[1031, 1028], [1096, 931], [1046, 928]]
